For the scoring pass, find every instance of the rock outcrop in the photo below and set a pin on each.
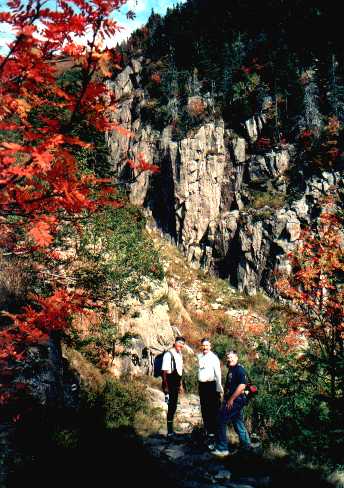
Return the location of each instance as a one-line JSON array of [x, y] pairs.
[[206, 196]]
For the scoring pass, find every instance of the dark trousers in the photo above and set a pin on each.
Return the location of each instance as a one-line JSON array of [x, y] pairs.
[[210, 403], [173, 382]]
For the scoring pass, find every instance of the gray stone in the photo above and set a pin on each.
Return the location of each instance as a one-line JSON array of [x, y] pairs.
[[223, 474], [174, 453]]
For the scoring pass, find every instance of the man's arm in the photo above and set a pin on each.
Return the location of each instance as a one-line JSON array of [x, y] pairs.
[[239, 390], [164, 382], [166, 369]]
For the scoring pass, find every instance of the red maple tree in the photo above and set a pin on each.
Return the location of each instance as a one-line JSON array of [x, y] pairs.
[[315, 288], [41, 185]]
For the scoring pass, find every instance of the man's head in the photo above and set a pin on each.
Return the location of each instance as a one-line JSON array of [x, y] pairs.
[[232, 357], [205, 345], [179, 343]]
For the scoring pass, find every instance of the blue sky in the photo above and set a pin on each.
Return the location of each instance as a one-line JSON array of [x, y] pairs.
[[142, 8]]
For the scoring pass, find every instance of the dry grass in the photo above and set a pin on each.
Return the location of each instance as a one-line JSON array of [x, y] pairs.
[[149, 423], [203, 300], [275, 451], [212, 322], [192, 333], [14, 283], [273, 200]]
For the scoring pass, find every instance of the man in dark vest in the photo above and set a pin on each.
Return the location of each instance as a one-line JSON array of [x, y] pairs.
[[231, 410], [172, 371]]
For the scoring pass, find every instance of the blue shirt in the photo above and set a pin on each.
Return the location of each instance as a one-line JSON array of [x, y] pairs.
[[236, 376]]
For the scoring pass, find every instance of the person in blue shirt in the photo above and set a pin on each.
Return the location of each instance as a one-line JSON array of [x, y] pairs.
[[231, 409]]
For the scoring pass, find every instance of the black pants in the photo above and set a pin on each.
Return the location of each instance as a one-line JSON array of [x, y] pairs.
[[173, 382], [210, 404]]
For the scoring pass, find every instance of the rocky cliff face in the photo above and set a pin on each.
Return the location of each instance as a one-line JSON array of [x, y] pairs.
[[206, 196]]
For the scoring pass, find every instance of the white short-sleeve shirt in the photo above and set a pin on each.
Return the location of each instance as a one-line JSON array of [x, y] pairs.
[[167, 362]]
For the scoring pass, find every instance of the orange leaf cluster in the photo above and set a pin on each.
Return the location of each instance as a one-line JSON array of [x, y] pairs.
[[140, 165], [40, 183], [315, 286]]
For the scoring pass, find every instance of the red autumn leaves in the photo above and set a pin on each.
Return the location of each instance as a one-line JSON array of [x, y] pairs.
[[41, 185]]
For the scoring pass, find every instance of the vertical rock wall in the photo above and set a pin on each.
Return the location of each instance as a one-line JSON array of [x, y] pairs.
[[201, 197]]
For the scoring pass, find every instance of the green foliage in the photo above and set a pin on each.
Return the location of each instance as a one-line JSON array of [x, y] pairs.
[[120, 402], [117, 254], [93, 159], [241, 59], [100, 341], [221, 344], [291, 407], [272, 199], [190, 380]]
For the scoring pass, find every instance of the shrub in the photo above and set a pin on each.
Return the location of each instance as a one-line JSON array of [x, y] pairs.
[[121, 402], [117, 254], [221, 344], [190, 375], [270, 199]]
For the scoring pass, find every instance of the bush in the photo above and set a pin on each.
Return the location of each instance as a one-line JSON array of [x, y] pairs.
[[270, 199], [190, 376], [117, 254], [121, 402], [221, 344]]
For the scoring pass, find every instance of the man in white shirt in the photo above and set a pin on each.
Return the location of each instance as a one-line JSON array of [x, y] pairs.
[[210, 388], [172, 371]]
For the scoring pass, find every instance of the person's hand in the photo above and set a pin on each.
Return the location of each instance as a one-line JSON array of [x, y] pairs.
[[229, 404], [181, 390]]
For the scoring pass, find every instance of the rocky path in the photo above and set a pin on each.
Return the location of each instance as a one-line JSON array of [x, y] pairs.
[[188, 463], [191, 465]]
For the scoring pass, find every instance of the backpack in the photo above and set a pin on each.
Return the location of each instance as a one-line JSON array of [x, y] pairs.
[[250, 390], [157, 365]]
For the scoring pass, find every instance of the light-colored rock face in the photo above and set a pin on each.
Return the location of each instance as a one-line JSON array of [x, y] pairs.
[[254, 126], [201, 196], [147, 326], [198, 165]]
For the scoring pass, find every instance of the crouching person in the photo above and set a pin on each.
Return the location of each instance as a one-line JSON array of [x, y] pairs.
[[232, 406], [172, 372]]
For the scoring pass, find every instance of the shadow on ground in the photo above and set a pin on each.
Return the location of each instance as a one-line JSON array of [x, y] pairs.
[[83, 453]]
